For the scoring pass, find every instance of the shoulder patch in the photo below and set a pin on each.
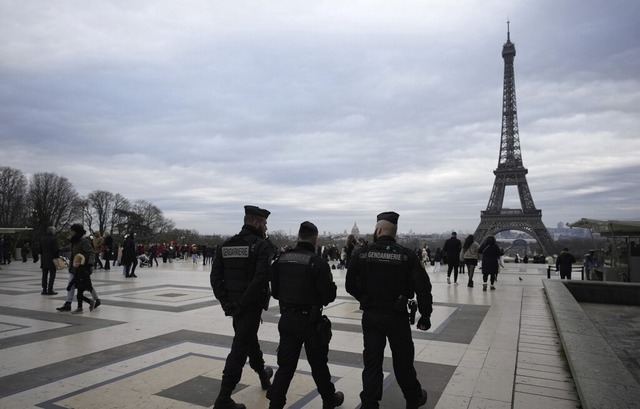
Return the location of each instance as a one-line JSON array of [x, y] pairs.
[[235, 252], [297, 258]]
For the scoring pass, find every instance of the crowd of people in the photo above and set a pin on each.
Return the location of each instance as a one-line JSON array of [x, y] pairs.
[[247, 270]]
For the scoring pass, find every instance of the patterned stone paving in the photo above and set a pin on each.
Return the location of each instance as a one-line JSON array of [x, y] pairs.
[[160, 340]]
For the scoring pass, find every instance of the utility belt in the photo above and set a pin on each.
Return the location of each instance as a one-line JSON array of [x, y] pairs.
[[402, 305], [301, 309]]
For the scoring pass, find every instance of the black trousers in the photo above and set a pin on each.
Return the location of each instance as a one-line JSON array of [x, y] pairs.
[[486, 274], [130, 268], [453, 265], [245, 344], [98, 262], [81, 298], [48, 277], [377, 327], [295, 331]]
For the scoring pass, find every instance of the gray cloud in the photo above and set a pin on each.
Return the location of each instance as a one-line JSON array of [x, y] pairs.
[[332, 113]]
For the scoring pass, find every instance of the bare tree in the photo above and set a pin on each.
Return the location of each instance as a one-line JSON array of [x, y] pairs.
[[280, 238], [86, 213], [101, 205], [54, 200], [180, 236], [121, 206], [149, 219], [13, 197]]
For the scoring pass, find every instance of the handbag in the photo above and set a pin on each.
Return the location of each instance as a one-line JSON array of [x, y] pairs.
[[60, 263]]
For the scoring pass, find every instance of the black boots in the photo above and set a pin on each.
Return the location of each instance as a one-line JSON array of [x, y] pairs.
[[419, 401], [224, 401], [65, 307], [227, 403], [337, 400], [265, 377]]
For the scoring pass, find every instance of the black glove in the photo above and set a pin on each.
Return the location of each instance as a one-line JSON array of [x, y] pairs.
[[69, 288], [424, 323], [231, 309]]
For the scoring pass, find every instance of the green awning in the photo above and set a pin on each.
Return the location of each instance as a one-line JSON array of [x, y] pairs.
[[610, 227]]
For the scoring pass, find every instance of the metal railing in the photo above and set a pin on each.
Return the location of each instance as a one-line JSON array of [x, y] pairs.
[[574, 269]]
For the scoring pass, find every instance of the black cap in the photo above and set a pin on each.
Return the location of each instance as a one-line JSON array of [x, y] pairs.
[[307, 229], [454, 233], [391, 217], [256, 211], [77, 227]]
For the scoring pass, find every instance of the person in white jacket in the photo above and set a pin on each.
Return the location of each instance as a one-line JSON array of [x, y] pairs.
[[469, 256]]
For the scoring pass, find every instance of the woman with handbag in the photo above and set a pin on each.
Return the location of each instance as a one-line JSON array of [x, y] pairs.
[[491, 254]]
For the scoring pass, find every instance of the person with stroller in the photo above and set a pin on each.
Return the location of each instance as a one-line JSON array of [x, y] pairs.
[[129, 259], [153, 254]]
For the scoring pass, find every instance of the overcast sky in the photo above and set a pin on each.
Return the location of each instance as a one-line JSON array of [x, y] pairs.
[[328, 111]]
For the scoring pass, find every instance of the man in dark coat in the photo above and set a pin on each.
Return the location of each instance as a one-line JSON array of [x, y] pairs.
[[564, 263], [452, 249], [239, 278], [49, 250]]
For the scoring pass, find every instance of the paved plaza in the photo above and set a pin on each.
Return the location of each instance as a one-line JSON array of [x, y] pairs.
[[160, 341]]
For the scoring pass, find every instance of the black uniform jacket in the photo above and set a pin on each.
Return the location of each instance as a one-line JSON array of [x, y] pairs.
[[251, 285], [300, 276], [402, 271]]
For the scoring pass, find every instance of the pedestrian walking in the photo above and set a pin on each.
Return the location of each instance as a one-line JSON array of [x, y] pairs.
[[239, 278], [303, 284], [49, 250], [491, 254], [564, 263], [469, 256], [383, 277], [452, 249], [78, 245]]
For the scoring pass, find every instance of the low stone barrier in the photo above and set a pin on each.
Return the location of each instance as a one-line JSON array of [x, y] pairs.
[[601, 378]]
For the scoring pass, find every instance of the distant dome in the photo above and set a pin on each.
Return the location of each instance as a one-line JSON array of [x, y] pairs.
[[355, 230]]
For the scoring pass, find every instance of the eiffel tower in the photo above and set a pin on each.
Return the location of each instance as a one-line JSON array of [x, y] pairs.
[[511, 172]]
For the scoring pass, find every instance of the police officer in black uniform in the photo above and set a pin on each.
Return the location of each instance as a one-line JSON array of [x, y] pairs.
[[383, 276], [303, 283], [239, 278]]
